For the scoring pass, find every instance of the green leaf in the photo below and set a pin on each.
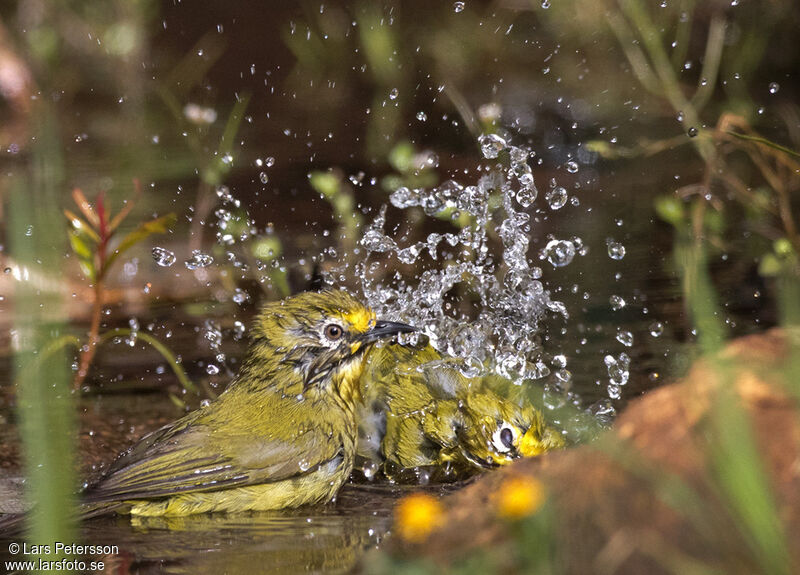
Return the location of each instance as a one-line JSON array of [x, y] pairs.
[[602, 148], [783, 247], [325, 183], [715, 221], [220, 165], [401, 157], [769, 266], [267, 248], [79, 225], [670, 209], [391, 182], [86, 207], [85, 253], [157, 226]]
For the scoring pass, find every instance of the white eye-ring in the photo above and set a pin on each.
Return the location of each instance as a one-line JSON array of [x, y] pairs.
[[504, 437], [331, 334], [333, 331]]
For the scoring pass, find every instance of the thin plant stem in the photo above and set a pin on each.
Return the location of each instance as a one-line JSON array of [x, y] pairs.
[[683, 34], [711, 60], [89, 350], [159, 347]]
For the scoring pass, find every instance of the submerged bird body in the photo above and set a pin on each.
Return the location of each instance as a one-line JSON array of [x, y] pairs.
[[420, 411], [283, 433]]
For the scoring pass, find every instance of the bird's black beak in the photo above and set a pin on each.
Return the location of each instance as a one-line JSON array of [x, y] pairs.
[[384, 329]]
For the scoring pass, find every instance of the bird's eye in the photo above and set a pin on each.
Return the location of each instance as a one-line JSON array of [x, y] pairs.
[[333, 332], [503, 438], [507, 437]]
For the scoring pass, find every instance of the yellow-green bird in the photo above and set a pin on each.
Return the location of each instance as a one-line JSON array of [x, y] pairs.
[[282, 435], [420, 411]]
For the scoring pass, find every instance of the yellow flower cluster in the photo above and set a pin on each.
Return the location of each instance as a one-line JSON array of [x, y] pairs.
[[519, 497], [416, 516]]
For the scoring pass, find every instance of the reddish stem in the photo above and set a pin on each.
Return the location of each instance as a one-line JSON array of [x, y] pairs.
[[88, 351]]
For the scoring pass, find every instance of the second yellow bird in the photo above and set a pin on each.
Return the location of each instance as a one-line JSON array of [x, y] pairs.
[[420, 411]]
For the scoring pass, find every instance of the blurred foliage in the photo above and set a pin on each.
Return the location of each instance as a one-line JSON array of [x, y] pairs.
[[338, 193], [44, 405], [411, 168]]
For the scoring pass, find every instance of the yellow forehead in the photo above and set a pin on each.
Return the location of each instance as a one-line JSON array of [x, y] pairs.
[[360, 319]]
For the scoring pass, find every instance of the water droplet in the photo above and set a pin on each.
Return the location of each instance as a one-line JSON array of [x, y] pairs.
[[409, 255], [423, 476], [774, 87], [491, 145], [526, 196], [199, 115], [603, 410], [625, 338], [511, 365], [224, 194], [545, 4], [370, 470], [198, 260], [375, 241], [572, 167], [393, 93], [559, 252], [656, 329], [212, 369], [304, 465], [422, 116], [240, 296], [692, 132], [458, 7], [616, 251], [618, 368], [408, 339], [403, 198], [553, 397], [163, 256], [263, 177], [212, 334], [564, 377], [557, 198], [617, 303]]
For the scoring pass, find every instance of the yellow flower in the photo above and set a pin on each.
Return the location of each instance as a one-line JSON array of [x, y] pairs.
[[417, 515], [519, 497]]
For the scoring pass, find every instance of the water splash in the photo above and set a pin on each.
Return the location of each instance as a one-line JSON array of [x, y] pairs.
[[483, 299]]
